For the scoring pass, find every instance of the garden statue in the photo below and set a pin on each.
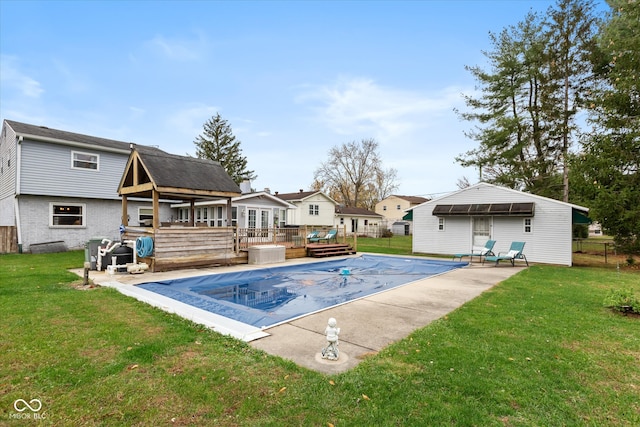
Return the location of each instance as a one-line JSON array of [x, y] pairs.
[[331, 350]]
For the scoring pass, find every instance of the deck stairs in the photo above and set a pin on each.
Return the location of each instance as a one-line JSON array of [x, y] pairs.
[[319, 250]]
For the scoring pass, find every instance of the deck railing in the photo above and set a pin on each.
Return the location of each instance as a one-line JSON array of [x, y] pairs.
[[289, 237]]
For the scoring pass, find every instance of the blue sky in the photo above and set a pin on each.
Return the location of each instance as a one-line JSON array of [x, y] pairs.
[[292, 78]]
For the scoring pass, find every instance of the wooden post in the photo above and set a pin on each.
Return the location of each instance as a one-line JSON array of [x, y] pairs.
[[192, 213], [156, 210], [355, 241], [237, 239], [125, 215]]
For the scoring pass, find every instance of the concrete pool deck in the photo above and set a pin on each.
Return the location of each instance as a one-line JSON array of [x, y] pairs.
[[367, 325]]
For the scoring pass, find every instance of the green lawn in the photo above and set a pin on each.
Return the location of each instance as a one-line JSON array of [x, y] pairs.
[[537, 350]]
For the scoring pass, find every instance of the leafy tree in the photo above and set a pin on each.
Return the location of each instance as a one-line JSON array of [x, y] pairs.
[[609, 167], [354, 176], [571, 31], [510, 126], [218, 143], [525, 112]]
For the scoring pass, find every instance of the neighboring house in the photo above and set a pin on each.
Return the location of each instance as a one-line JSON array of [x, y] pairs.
[[393, 210], [469, 217], [358, 220], [313, 208], [251, 210], [595, 229], [58, 186]]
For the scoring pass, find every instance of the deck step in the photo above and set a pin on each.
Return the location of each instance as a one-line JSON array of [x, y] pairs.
[[324, 250]]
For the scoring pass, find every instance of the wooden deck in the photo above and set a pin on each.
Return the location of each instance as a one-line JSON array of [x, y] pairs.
[[176, 248]]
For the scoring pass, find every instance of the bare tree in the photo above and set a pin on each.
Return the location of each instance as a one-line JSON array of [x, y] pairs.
[[354, 176]]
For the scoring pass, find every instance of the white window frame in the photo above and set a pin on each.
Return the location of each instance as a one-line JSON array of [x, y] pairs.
[[314, 210], [527, 225], [234, 216], [75, 160], [53, 215], [143, 211], [398, 207], [441, 223], [183, 214]]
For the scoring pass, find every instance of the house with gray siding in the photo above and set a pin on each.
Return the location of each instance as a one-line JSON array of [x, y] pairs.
[[58, 186], [466, 219]]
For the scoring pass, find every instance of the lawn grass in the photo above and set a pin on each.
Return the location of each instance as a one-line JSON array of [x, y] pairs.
[[539, 349]]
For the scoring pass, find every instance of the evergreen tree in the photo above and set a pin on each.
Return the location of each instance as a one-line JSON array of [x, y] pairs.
[[609, 167], [529, 98], [218, 143]]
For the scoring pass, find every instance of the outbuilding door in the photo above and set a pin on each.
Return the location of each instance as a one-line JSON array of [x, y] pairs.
[[481, 227]]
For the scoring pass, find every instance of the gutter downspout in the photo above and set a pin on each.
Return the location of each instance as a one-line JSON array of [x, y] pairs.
[[16, 205]]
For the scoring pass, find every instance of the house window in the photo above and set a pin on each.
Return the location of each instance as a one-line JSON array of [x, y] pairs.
[[145, 216], [384, 208], [341, 221], [440, 224], [218, 219], [398, 207], [314, 210], [84, 160], [528, 225], [366, 222], [183, 215], [67, 215], [234, 216]]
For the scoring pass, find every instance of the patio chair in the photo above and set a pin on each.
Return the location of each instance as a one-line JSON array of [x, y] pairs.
[[515, 253], [485, 251], [331, 235], [312, 236]]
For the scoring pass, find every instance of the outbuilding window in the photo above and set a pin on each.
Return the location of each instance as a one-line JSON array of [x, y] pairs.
[[440, 224], [528, 225]]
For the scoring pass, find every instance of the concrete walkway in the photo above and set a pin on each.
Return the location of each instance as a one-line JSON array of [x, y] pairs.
[[367, 325], [371, 323]]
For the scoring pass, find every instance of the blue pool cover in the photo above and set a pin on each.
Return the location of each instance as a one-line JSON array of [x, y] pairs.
[[269, 296]]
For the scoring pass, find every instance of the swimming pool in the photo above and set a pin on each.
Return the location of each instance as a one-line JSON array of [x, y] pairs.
[[269, 296]]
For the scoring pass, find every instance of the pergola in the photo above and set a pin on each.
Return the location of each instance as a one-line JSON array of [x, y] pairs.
[[151, 173]]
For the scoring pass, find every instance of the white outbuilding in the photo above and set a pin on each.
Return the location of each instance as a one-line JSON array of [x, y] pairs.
[[465, 219]]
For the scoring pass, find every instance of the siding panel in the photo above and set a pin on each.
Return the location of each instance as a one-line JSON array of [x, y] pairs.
[[46, 170], [549, 242]]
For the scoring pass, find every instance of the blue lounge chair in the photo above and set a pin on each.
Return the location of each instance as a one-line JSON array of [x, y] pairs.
[[487, 250], [311, 236], [331, 235], [515, 253]]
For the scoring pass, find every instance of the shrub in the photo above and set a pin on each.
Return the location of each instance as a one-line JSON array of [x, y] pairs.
[[580, 231], [622, 300]]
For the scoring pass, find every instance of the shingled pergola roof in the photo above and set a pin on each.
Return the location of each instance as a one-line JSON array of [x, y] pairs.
[[153, 173]]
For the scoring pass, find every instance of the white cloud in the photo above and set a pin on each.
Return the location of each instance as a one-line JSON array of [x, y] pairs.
[[360, 105], [180, 49], [12, 76]]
